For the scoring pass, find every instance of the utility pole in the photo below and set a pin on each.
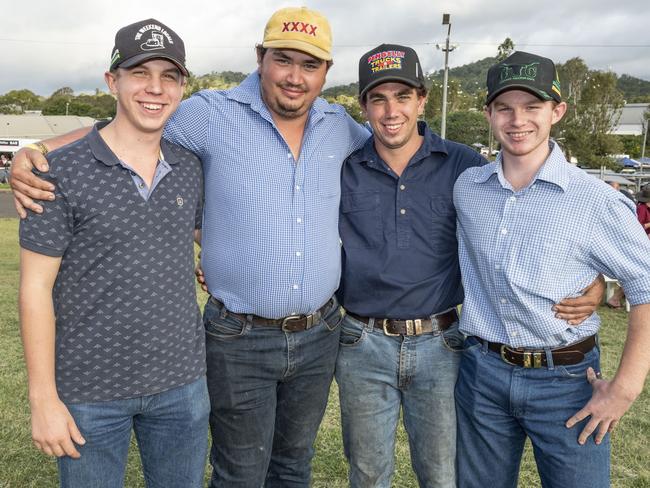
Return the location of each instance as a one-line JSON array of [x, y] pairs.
[[443, 125], [645, 138]]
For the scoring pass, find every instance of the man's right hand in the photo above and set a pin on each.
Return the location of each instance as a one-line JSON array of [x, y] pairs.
[[26, 186], [54, 431]]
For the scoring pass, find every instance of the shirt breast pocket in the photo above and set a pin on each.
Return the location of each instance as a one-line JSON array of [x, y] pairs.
[[442, 224], [360, 223], [541, 266]]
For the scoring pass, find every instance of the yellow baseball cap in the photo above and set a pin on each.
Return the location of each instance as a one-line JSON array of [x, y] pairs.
[[299, 28]]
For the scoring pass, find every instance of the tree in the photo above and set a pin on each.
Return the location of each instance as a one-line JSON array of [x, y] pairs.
[[17, 101], [467, 127], [350, 104], [505, 49], [594, 104]]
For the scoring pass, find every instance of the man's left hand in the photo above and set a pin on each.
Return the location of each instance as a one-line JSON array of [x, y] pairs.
[[608, 404]]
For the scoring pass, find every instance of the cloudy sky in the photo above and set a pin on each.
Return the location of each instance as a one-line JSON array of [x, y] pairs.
[[56, 43]]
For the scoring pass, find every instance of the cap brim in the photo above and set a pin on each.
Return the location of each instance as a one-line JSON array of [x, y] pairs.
[[542, 95], [141, 58], [299, 46], [389, 79]]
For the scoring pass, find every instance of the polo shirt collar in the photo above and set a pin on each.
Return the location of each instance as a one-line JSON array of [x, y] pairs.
[[103, 153], [553, 170], [432, 143], [249, 92]]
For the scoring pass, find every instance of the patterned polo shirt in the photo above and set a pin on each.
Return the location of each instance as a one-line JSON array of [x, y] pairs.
[[127, 319], [522, 251], [270, 235]]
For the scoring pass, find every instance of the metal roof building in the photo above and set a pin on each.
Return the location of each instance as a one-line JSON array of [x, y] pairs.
[[631, 121], [19, 130]]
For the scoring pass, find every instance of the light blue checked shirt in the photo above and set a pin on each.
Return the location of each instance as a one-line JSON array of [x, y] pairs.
[[270, 224], [522, 251]]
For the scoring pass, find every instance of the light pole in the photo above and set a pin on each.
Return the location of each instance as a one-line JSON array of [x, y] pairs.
[[645, 138], [67, 104], [446, 49]]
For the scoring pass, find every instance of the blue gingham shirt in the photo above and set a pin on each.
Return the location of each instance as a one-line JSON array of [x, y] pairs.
[[270, 230], [522, 251]]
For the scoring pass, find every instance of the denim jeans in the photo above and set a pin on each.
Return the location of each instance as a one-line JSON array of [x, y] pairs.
[[268, 392], [499, 405], [172, 433], [377, 374]]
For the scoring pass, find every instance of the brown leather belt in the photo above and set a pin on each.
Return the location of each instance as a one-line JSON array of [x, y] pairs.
[[412, 327], [292, 323], [536, 358]]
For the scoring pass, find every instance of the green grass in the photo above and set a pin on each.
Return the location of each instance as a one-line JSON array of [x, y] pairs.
[[22, 466]]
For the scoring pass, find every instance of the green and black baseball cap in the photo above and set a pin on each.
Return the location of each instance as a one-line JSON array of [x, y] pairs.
[[524, 71]]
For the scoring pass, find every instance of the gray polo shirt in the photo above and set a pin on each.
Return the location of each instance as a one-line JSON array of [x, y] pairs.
[[127, 320]]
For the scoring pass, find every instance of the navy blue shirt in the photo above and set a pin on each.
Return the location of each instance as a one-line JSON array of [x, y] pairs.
[[400, 254]]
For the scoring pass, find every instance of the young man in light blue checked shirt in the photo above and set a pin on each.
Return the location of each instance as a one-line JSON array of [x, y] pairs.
[[543, 230]]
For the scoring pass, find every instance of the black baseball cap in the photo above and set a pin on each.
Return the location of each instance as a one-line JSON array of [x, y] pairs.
[[389, 62], [144, 40], [524, 71]]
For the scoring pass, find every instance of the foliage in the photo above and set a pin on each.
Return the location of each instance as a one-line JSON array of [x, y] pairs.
[[98, 106], [467, 127], [634, 89], [213, 81], [505, 49], [350, 104], [18, 101], [594, 104]]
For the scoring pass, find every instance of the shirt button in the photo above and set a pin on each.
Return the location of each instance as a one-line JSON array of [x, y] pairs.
[[497, 266], [141, 185], [513, 333], [298, 187], [298, 253], [504, 231], [402, 211], [402, 187], [503, 300], [289, 155], [295, 287], [512, 199], [299, 220]]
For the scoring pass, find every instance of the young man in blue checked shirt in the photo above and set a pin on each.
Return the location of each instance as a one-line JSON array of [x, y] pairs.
[[543, 230]]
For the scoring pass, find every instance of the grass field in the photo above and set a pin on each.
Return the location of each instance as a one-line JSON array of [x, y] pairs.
[[21, 466]]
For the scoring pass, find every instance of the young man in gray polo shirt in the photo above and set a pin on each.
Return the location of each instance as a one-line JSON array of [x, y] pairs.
[[111, 328]]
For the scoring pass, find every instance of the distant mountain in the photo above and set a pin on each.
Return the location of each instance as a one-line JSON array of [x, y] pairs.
[[472, 79], [634, 89]]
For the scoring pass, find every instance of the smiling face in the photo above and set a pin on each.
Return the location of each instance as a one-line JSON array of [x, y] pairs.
[[522, 123], [147, 95], [392, 110], [290, 81]]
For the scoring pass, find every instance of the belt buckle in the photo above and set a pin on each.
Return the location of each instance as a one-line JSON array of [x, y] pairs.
[[384, 324], [503, 356], [531, 359], [287, 319], [413, 327]]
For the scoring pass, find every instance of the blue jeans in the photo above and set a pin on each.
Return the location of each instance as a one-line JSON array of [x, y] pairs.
[[499, 405], [377, 374], [268, 392], [172, 433]]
